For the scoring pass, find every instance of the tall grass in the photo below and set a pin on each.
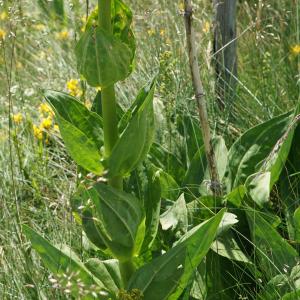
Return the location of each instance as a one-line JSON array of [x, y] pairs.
[[35, 178]]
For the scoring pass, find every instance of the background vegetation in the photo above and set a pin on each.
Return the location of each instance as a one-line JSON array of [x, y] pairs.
[[37, 177]]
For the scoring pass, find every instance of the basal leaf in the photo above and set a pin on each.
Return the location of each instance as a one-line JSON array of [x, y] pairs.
[[102, 58], [62, 261], [275, 255], [176, 217], [167, 276], [225, 245], [198, 172], [247, 154], [258, 186], [136, 140]]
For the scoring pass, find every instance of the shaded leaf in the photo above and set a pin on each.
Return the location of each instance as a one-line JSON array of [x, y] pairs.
[[176, 217], [275, 255]]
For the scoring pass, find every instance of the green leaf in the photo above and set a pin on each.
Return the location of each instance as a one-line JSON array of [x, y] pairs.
[[152, 202], [107, 271], [295, 295], [63, 261], [80, 129], [297, 224], [248, 153], [121, 19], [85, 213], [119, 217], [166, 160], [226, 246], [102, 58], [136, 140], [273, 252], [236, 196], [169, 187], [176, 217], [198, 170], [258, 186], [167, 276], [289, 186]]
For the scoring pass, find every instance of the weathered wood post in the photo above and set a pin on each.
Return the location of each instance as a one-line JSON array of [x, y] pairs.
[[225, 55]]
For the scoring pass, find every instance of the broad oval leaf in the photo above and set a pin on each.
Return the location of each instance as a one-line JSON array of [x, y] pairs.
[[62, 261], [247, 154], [136, 140], [167, 276], [102, 58], [80, 129], [120, 219], [121, 19]]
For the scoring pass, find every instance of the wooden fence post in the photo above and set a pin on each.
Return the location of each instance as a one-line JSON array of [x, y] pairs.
[[225, 55]]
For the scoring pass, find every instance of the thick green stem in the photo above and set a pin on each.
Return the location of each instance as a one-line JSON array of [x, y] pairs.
[[109, 107], [127, 269]]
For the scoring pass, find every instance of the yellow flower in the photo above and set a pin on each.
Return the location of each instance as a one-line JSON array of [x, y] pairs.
[[37, 132], [295, 49], [73, 88], [46, 123], [45, 108], [19, 65], [206, 27], [56, 128], [162, 32], [17, 118], [151, 32], [39, 27], [2, 34], [3, 16], [63, 35]]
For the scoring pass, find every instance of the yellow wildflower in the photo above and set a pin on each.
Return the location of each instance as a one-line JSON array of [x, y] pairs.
[[181, 6], [17, 118], [56, 128], [3, 16], [37, 132], [151, 32], [296, 49], [39, 27], [46, 123], [2, 34], [206, 27], [45, 108], [162, 32], [73, 88], [63, 35], [19, 65]]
